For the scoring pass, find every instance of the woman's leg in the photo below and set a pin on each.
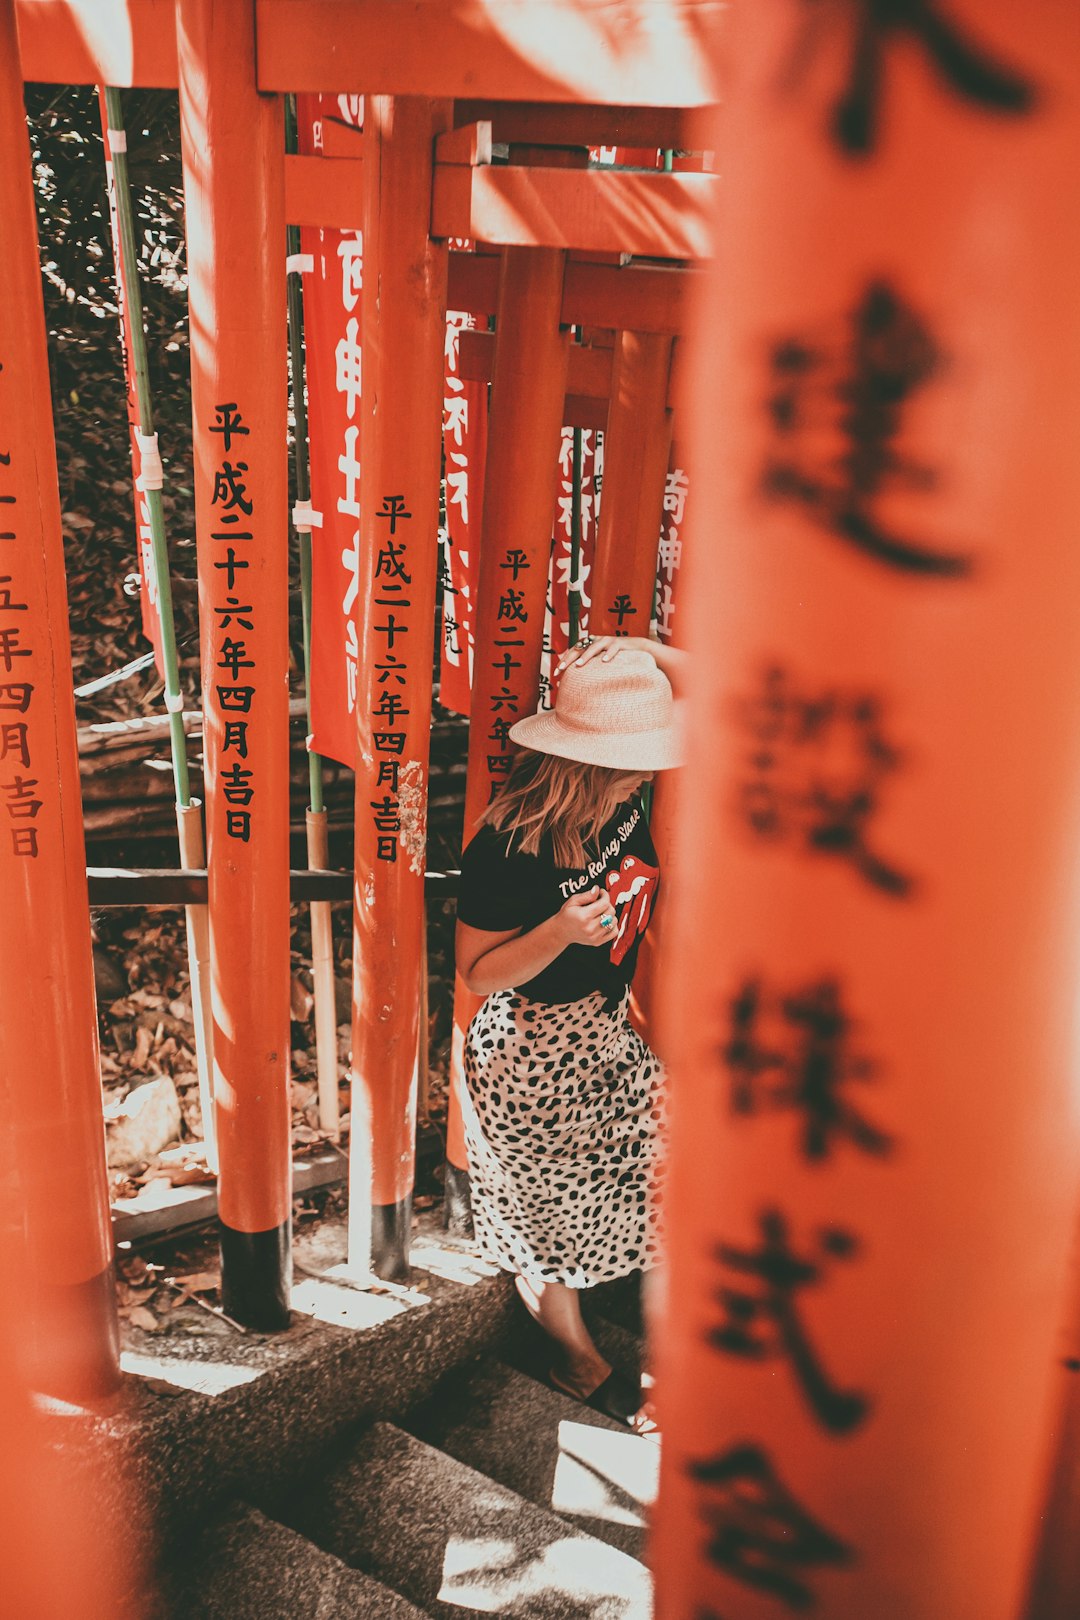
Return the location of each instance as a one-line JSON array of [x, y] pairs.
[[557, 1309]]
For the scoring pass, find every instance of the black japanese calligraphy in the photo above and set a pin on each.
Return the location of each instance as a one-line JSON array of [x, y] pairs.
[[236, 782], [814, 771], [960, 64], [758, 1532], [803, 1062], [761, 1321], [622, 608], [837, 405]]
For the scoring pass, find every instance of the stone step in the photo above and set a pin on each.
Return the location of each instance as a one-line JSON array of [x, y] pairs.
[[243, 1566], [547, 1447], [451, 1539]]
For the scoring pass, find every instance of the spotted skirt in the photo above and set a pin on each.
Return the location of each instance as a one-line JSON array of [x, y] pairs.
[[564, 1125]]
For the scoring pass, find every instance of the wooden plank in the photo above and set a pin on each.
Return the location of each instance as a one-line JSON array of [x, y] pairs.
[[650, 215], [324, 191], [687, 129], [607, 52], [639, 298], [127, 886], [589, 370], [160, 1210], [118, 42]]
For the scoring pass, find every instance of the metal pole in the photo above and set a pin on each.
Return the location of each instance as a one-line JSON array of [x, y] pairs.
[[318, 842], [188, 811], [50, 1082], [233, 150]]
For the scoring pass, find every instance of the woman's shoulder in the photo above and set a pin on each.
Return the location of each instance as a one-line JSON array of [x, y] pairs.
[[491, 844]]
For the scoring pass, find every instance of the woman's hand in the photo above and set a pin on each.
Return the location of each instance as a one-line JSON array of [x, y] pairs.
[[672, 660], [581, 921], [603, 647]]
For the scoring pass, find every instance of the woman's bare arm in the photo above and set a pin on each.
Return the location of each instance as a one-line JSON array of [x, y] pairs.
[[489, 961]]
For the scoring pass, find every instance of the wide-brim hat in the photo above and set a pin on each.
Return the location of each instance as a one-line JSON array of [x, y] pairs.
[[620, 714]]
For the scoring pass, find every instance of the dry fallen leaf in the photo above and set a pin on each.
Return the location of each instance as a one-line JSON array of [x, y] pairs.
[[179, 1175], [199, 1282], [139, 1316]]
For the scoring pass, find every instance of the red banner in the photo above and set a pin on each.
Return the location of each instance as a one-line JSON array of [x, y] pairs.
[[465, 418], [144, 551], [329, 126]]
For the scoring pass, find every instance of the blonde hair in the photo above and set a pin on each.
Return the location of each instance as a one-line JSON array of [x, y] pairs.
[[547, 794]]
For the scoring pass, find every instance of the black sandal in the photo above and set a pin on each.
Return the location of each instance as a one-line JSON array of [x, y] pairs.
[[616, 1397]]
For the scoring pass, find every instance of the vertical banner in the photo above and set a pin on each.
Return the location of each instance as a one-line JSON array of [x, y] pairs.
[[872, 982], [144, 549], [465, 422], [564, 579], [329, 127], [669, 553], [50, 1084], [238, 395]]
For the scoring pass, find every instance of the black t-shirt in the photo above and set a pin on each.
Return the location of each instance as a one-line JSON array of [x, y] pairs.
[[502, 889]]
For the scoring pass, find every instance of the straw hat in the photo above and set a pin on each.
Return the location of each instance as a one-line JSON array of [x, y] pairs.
[[619, 714]]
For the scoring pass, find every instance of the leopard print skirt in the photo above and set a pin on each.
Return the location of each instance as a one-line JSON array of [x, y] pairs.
[[564, 1125]]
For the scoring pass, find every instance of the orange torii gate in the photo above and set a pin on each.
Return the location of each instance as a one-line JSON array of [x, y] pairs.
[[785, 1485]]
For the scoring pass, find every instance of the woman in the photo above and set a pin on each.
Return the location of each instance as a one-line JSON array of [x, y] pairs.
[[563, 1109]]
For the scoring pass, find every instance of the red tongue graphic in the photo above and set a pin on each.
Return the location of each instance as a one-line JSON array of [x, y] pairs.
[[630, 888]]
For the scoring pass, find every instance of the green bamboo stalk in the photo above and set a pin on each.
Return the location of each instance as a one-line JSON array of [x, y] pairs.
[[302, 461], [129, 263]]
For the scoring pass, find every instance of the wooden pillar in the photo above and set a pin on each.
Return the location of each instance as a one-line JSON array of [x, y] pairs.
[[636, 449], [233, 151], [528, 389], [50, 1085], [876, 944], [403, 332]]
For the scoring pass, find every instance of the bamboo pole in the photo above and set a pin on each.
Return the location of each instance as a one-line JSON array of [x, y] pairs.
[[188, 811], [318, 847]]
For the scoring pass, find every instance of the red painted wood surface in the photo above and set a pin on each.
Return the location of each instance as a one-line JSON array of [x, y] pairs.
[[404, 314], [527, 394], [50, 1087], [633, 52], [235, 212], [654, 215], [873, 981], [636, 448]]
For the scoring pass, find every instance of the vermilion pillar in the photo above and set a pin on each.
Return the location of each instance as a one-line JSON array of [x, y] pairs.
[[233, 147], [876, 953], [636, 449], [528, 389], [404, 318], [50, 1086]]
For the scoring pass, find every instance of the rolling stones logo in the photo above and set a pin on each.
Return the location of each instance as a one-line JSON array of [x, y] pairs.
[[631, 888]]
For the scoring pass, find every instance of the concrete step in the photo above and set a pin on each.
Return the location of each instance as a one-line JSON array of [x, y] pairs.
[[451, 1539], [243, 1566], [547, 1447]]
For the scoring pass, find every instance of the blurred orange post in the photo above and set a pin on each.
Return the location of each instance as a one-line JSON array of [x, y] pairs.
[[233, 150], [872, 981], [50, 1084], [528, 389], [401, 403], [636, 449]]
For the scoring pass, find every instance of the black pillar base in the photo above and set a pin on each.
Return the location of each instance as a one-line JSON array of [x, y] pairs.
[[76, 1331], [391, 1229], [457, 1202], [256, 1274]]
